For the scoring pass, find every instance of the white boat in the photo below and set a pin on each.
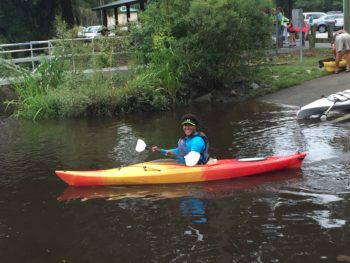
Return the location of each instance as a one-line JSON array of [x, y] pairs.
[[320, 108]]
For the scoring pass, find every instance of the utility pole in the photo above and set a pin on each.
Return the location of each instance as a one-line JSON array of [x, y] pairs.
[[346, 12]]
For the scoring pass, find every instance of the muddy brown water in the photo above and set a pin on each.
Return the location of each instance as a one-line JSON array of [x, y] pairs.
[[288, 216]]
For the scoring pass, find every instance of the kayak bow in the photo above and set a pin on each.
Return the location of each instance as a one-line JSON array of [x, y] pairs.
[[168, 172]]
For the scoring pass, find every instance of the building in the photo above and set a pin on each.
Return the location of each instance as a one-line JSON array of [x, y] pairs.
[[123, 13]]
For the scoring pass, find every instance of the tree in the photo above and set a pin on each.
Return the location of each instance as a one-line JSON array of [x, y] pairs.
[[207, 44], [319, 5], [67, 12], [23, 20]]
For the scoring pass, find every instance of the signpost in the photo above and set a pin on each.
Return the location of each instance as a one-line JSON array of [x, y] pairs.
[[298, 22], [346, 10]]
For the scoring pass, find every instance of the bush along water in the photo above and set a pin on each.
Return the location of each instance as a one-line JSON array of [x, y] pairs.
[[193, 50], [178, 49]]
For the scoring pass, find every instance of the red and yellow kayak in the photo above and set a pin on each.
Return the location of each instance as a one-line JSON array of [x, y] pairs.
[[169, 172], [207, 190]]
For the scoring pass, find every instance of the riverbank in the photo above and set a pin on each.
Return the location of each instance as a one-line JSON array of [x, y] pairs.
[[278, 72]]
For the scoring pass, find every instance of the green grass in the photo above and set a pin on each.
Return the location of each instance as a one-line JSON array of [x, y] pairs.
[[286, 70], [54, 93]]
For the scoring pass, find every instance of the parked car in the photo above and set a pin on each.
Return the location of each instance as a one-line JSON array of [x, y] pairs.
[[324, 21], [92, 32], [339, 23], [334, 12], [315, 15], [80, 30]]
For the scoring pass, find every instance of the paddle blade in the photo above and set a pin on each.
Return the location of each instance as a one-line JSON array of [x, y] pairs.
[[192, 158], [140, 145]]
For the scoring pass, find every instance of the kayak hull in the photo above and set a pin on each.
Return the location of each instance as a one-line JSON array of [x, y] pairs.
[[339, 101], [159, 172]]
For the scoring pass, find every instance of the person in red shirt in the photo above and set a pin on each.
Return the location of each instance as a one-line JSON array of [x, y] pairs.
[[291, 32]]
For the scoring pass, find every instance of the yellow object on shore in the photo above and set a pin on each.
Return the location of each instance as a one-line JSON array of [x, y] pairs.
[[330, 65]]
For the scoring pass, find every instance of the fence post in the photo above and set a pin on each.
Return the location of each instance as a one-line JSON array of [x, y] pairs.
[[49, 45], [32, 55], [312, 37], [72, 48], [330, 32]]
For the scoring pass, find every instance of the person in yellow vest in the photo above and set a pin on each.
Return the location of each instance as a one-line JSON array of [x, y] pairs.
[[280, 25]]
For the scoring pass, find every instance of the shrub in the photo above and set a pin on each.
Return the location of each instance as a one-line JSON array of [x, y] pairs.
[[212, 41]]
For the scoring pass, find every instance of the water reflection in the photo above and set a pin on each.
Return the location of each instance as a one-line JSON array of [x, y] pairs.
[[289, 216], [324, 219], [194, 208]]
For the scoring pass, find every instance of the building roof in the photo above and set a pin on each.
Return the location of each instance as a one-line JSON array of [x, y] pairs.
[[117, 4]]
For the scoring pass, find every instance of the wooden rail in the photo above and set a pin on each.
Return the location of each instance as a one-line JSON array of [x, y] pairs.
[[313, 40]]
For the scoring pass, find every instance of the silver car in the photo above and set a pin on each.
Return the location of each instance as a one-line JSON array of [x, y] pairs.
[[324, 22], [315, 15]]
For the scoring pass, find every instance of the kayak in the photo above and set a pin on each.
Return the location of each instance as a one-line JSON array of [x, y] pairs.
[[339, 101], [329, 64], [170, 172], [208, 190]]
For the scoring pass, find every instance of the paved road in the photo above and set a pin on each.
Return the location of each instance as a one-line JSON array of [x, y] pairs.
[[310, 90]]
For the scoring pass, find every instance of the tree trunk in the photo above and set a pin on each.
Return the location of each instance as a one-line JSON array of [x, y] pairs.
[[67, 12]]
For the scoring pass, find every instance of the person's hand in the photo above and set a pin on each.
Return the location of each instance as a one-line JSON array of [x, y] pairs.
[[155, 149]]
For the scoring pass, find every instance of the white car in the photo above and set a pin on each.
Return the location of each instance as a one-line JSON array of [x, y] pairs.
[[91, 32], [339, 23], [315, 15], [324, 21]]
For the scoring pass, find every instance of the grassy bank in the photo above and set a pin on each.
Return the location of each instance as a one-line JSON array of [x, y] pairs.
[[286, 70], [58, 94]]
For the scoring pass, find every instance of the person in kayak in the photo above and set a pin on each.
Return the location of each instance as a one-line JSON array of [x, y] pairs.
[[191, 149]]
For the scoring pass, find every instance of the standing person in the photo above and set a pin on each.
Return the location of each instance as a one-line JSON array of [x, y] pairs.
[[191, 149], [291, 31], [311, 21], [280, 23], [304, 32], [341, 47], [286, 33]]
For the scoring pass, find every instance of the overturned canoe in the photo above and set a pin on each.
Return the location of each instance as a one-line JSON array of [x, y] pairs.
[[339, 101]]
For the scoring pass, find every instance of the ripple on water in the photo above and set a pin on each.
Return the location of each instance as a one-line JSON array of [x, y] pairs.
[[323, 218]]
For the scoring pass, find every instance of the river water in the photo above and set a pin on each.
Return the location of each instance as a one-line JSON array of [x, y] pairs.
[[289, 216]]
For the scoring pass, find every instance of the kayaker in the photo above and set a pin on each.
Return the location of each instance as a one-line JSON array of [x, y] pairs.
[[191, 149]]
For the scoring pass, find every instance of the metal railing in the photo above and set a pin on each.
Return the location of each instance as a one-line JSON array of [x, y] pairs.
[[34, 51], [26, 52]]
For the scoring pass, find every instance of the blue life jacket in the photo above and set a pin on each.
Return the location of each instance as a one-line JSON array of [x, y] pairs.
[[183, 149]]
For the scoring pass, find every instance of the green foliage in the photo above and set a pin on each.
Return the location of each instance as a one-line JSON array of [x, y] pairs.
[[143, 92], [211, 41], [22, 20], [181, 45], [33, 89], [287, 70], [222, 45], [59, 88], [319, 5]]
